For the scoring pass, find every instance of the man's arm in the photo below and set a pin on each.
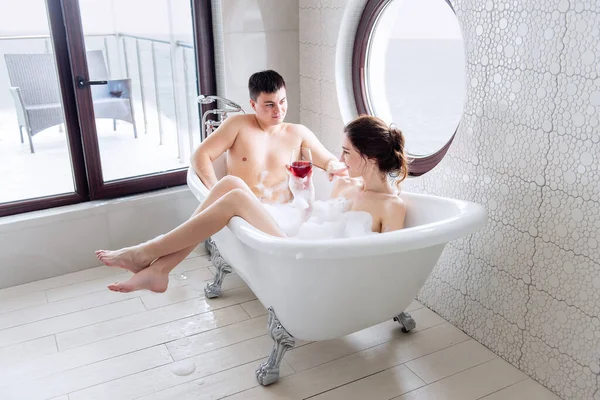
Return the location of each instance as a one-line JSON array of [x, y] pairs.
[[212, 147], [321, 157]]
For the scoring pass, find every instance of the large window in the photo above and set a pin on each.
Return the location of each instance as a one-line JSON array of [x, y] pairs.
[[96, 102], [408, 69]]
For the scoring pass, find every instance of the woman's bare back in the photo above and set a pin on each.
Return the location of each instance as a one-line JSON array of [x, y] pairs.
[[388, 210]]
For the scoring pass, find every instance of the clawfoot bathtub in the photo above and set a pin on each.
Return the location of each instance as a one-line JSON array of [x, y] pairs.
[[325, 289]]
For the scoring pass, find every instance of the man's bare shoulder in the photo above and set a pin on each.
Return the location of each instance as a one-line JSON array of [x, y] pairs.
[[298, 129], [241, 124], [242, 120]]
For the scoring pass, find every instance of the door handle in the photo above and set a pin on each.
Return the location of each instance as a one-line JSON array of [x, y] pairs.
[[82, 82]]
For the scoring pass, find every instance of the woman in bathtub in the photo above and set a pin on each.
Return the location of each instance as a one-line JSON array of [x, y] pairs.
[[372, 151]]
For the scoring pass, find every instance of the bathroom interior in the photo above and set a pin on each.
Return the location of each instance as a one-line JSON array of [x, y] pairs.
[[498, 101]]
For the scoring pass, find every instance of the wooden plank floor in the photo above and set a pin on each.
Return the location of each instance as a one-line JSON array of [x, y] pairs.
[[69, 338]]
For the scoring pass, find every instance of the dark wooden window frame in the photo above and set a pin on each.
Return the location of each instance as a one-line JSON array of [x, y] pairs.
[[371, 12], [67, 38]]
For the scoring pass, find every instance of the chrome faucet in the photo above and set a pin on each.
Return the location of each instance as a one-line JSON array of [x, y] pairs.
[[211, 125]]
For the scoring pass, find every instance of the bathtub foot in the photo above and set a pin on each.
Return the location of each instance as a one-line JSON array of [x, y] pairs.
[[268, 372], [209, 245], [213, 289], [407, 322]]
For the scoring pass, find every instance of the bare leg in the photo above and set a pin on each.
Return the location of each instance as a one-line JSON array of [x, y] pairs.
[[223, 187], [208, 222]]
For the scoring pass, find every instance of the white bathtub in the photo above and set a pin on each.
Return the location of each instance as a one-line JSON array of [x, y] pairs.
[[321, 289]]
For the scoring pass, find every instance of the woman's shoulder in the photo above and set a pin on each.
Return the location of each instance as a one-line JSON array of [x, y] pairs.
[[394, 211], [347, 181], [388, 200], [344, 182], [396, 203]]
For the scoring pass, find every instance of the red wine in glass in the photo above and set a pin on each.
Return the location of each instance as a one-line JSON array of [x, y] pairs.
[[301, 168], [301, 162]]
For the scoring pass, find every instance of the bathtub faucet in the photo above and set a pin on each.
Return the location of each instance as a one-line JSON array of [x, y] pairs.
[[221, 113]]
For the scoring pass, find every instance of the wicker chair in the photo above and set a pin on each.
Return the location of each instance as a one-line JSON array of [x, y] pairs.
[[36, 92]]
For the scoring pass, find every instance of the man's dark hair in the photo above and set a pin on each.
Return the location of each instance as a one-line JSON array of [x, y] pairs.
[[267, 81]]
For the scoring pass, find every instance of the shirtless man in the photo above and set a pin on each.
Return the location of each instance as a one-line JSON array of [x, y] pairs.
[[258, 148], [260, 145]]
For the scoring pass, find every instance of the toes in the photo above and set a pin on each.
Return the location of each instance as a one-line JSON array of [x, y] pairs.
[[124, 289], [120, 287], [115, 287]]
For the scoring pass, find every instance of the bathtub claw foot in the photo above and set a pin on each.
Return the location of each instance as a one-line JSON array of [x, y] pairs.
[[407, 322], [213, 289], [209, 245], [268, 372]]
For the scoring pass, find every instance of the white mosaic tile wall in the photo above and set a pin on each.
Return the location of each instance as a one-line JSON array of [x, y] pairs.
[[254, 35], [528, 286], [319, 110]]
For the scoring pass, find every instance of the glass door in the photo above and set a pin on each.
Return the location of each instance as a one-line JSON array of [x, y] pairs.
[[41, 163], [99, 97], [134, 65]]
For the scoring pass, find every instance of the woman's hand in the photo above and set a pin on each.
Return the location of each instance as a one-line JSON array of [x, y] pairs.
[[303, 189]]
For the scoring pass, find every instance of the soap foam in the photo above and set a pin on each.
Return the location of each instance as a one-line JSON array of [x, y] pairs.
[[329, 219], [268, 192], [288, 216]]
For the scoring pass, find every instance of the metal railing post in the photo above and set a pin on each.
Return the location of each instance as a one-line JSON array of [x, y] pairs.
[[125, 56], [174, 61], [107, 58], [155, 73], [141, 75], [187, 100], [174, 79]]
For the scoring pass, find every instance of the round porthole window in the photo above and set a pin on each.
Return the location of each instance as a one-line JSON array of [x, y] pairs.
[[408, 68]]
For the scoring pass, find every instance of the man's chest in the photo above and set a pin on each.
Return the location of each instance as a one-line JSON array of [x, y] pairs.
[[265, 152]]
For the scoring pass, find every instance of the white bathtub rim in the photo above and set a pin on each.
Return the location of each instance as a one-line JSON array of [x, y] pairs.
[[470, 218], [390, 242]]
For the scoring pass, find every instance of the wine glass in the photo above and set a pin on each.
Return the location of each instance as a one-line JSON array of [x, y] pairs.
[[301, 162]]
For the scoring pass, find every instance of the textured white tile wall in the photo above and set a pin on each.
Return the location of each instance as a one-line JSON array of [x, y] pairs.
[[528, 286], [319, 109], [253, 35]]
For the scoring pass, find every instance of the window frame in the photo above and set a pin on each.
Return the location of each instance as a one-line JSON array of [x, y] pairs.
[[419, 165], [68, 43]]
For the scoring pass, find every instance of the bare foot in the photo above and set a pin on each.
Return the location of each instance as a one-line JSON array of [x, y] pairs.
[[130, 258], [149, 278]]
